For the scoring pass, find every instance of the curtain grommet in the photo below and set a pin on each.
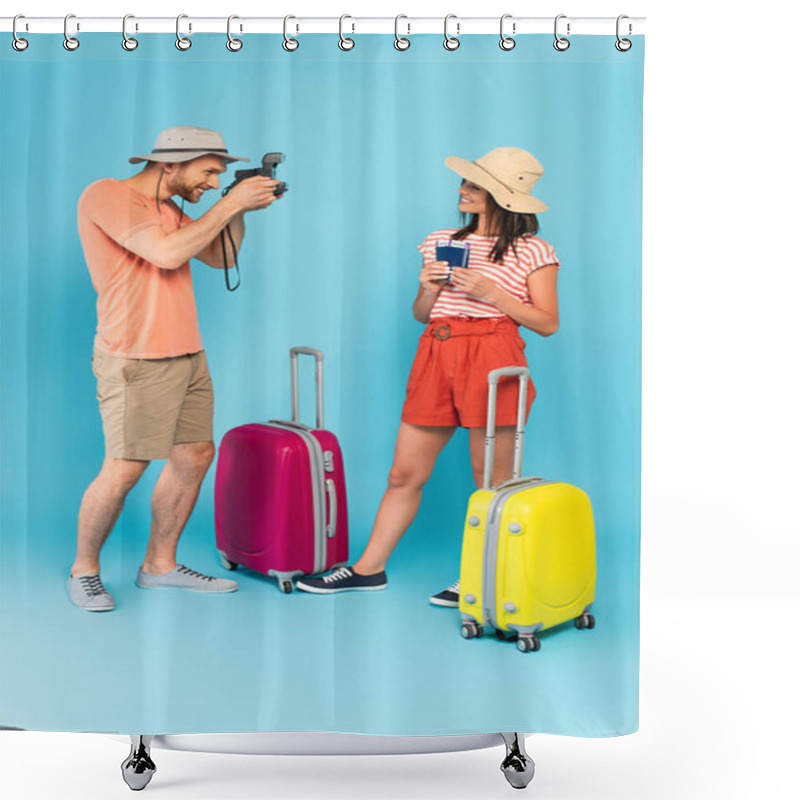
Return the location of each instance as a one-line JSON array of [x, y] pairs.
[[181, 42], [623, 45], [507, 42], [129, 43], [290, 44], [345, 42], [561, 43], [18, 43], [233, 44], [71, 43], [451, 43], [401, 43]]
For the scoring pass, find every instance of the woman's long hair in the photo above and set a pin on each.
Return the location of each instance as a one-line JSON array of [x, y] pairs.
[[506, 225]]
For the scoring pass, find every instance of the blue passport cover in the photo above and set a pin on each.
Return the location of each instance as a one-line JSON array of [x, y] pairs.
[[456, 254]]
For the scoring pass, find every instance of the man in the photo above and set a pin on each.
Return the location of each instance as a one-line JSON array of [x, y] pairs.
[[153, 385]]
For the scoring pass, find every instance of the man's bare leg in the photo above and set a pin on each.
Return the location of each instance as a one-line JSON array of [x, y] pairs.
[[100, 509], [174, 498]]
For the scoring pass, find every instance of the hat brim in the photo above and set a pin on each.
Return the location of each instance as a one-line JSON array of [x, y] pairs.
[[180, 156], [505, 197]]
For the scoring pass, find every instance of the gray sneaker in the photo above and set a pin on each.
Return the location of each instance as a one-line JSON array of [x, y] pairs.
[[87, 592], [184, 578]]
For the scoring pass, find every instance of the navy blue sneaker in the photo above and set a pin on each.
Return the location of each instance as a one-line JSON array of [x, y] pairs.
[[449, 597], [343, 579]]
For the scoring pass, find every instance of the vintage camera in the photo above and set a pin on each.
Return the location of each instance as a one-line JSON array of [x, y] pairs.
[[268, 166]]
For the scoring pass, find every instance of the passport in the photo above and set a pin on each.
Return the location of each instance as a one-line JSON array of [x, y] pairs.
[[456, 254]]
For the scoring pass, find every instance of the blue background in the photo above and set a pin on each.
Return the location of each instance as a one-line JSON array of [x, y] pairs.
[[333, 266]]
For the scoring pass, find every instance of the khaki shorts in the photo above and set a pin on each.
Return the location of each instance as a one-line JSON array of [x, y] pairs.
[[150, 404]]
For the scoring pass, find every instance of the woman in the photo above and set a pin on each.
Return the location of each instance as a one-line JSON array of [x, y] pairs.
[[472, 318]]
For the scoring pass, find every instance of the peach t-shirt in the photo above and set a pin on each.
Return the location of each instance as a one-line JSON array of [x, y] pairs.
[[143, 310]]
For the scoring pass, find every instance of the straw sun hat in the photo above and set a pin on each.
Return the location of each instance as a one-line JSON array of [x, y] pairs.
[[508, 174]]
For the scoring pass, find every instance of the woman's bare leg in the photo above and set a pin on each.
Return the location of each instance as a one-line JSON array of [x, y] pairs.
[[415, 455], [503, 470], [503, 454]]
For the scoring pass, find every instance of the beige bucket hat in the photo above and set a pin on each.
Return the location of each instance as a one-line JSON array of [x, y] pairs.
[[508, 174], [185, 142]]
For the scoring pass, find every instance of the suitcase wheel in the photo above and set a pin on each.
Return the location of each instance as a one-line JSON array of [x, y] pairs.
[[471, 630], [226, 562], [584, 622], [286, 587], [526, 644]]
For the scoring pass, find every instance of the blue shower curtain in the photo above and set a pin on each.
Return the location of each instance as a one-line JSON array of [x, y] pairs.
[[332, 266]]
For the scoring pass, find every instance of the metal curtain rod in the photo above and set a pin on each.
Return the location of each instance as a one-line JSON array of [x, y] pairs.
[[407, 25]]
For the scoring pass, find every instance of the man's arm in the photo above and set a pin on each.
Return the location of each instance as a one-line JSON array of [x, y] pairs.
[[212, 254], [172, 250]]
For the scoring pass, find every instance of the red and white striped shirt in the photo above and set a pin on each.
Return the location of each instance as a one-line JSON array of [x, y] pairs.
[[510, 274]]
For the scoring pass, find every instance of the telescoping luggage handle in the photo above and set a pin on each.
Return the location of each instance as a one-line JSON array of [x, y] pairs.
[[293, 354], [330, 485], [519, 436]]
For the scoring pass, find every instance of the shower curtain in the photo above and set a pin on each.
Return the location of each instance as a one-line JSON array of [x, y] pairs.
[[333, 265]]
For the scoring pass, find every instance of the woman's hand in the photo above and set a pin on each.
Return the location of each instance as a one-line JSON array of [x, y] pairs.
[[434, 275], [477, 286]]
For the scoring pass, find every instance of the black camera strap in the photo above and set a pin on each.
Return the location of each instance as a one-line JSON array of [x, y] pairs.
[[227, 229]]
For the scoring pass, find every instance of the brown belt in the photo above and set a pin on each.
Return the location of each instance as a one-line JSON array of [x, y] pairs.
[[442, 329]]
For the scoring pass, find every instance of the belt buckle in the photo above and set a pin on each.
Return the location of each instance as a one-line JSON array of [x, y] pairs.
[[442, 333]]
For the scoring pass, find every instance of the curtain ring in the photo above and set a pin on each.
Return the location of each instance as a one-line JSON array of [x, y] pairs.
[[181, 42], [289, 44], [70, 42], [19, 44], [507, 42], [233, 44], [128, 42], [623, 45], [561, 43], [345, 43], [451, 42], [400, 42]]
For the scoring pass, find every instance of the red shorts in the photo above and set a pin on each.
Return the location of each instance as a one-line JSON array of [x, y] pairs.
[[449, 385]]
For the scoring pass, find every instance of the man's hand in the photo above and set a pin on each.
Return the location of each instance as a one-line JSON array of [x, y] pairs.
[[254, 193]]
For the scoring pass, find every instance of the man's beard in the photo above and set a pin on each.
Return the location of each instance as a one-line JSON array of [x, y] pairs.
[[187, 190]]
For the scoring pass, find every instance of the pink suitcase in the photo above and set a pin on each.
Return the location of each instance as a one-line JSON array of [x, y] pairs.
[[279, 497]]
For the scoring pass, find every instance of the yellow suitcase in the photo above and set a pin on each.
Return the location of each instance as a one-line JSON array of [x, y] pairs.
[[528, 557]]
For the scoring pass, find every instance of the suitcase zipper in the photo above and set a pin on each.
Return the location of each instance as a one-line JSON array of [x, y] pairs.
[[491, 540], [318, 489]]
